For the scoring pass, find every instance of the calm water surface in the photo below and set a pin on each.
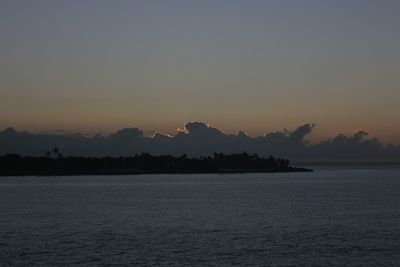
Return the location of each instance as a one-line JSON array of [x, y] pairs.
[[332, 217]]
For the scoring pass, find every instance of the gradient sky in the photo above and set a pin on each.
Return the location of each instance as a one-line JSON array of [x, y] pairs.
[[96, 66]]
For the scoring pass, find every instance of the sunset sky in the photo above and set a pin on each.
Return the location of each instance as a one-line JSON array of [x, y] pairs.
[[98, 66]]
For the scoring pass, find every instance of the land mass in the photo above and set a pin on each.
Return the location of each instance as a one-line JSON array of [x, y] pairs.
[[15, 165]]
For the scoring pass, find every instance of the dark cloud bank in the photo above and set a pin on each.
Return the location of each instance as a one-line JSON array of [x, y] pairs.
[[197, 139]]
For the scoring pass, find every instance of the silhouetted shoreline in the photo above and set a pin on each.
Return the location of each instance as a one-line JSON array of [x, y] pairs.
[[15, 165], [139, 172]]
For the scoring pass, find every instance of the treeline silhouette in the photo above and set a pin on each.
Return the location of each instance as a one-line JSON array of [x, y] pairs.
[[54, 164]]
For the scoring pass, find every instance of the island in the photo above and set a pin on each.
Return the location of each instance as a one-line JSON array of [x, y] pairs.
[[16, 165]]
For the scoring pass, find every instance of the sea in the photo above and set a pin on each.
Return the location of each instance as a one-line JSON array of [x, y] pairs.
[[335, 216]]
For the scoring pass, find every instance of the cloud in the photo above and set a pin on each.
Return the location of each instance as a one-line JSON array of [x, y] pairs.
[[354, 147], [300, 133], [128, 133], [200, 139]]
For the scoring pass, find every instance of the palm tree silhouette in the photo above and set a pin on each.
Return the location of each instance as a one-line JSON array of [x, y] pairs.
[[56, 153]]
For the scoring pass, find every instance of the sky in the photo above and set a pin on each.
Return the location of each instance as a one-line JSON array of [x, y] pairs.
[[98, 66]]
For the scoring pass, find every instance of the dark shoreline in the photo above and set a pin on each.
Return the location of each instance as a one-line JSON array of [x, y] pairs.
[[139, 172], [15, 165]]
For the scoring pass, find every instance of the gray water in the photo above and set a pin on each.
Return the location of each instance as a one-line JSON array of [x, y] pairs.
[[334, 216]]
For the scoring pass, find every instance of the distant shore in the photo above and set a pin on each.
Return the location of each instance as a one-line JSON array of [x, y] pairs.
[[15, 165], [143, 172]]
